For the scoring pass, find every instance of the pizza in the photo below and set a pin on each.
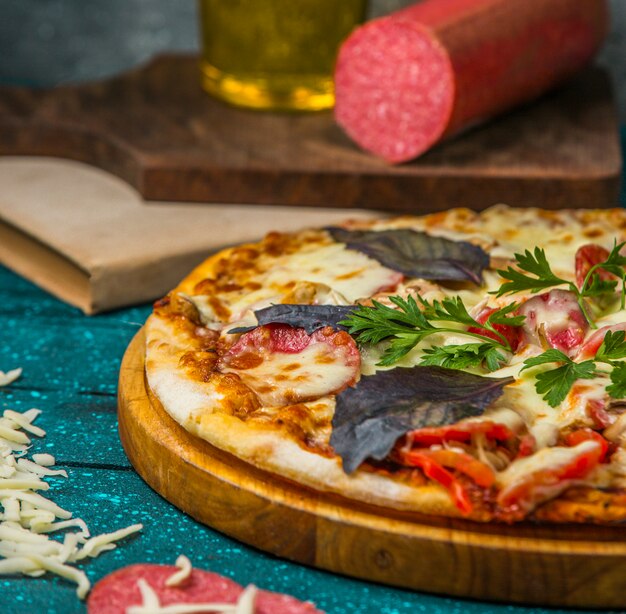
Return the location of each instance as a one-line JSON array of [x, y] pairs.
[[459, 363]]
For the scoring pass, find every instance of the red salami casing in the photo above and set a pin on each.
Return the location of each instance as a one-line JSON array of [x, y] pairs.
[[120, 590], [405, 81]]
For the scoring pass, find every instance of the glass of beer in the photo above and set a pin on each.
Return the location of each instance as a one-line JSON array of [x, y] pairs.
[[274, 54]]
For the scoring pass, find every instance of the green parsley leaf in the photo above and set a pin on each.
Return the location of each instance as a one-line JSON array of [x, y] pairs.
[[408, 323], [533, 273], [399, 347], [534, 263], [502, 316], [546, 357], [493, 359], [450, 309], [464, 356], [598, 287], [554, 385], [615, 262], [613, 347], [374, 324], [617, 388]]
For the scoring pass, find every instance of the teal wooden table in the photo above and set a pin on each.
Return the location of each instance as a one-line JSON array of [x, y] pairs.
[[71, 365]]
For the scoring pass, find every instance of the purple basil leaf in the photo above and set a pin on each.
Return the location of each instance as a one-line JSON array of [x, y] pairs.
[[309, 317], [417, 254], [371, 416]]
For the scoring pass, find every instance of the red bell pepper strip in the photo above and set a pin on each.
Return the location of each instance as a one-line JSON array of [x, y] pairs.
[[586, 434], [429, 436], [433, 463]]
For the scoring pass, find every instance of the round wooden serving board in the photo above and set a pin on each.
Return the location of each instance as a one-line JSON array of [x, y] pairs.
[[556, 565]]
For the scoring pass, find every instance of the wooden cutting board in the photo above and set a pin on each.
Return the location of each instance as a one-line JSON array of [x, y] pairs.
[[155, 128], [583, 566]]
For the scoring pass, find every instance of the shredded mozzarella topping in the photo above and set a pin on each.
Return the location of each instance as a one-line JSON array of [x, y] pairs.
[[27, 517], [150, 603]]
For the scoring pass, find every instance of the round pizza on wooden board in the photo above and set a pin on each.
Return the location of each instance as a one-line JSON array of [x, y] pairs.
[[458, 364]]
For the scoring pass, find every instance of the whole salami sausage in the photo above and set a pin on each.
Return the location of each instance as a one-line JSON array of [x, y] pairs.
[[405, 81]]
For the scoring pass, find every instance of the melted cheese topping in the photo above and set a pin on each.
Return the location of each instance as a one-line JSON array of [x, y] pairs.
[[505, 231], [346, 275], [326, 272], [282, 378], [609, 319], [545, 422], [546, 459]]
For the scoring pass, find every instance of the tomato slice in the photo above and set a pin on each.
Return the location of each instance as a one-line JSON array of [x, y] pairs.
[[429, 436], [479, 472], [591, 346], [512, 334], [555, 318], [587, 256]]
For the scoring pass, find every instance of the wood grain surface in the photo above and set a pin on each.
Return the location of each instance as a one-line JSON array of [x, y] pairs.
[[155, 128], [564, 565]]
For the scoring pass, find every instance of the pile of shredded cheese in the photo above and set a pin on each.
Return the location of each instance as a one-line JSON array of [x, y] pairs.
[[27, 517], [152, 605]]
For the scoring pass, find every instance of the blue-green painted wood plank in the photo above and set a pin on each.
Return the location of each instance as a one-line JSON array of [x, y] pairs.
[[71, 357], [81, 428], [57, 346]]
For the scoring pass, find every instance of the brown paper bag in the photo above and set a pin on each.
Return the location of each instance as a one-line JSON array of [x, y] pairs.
[[88, 237]]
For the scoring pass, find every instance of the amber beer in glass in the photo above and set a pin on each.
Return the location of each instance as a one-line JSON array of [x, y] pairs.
[[274, 54]]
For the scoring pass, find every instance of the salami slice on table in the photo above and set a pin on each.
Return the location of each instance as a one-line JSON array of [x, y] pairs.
[[120, 590], [405, 81]]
